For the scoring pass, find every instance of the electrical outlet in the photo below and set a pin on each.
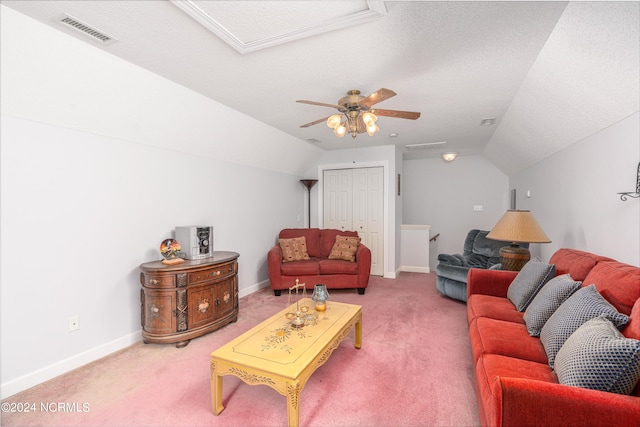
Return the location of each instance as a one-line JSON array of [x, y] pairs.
[[74, 323]]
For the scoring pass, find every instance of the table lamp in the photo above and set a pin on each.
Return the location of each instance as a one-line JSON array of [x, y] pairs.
[[517, 227]]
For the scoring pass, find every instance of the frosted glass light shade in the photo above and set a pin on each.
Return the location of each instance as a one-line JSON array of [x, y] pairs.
[[369, 118], [340, 130], [449, 157], [334, 121]]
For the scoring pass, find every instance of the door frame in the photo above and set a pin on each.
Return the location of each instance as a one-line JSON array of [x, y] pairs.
[[385, 198]]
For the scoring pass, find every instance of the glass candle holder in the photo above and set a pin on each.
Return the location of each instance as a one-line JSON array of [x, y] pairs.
[[320, 297]]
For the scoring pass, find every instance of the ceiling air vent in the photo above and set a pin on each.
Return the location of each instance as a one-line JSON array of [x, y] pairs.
[[97, 35], [423, 145]]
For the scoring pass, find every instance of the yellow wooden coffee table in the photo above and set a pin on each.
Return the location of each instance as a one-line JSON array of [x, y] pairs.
[[283, 357]]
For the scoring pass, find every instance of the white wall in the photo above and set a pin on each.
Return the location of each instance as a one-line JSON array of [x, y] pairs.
[[443, 195], [573, 194], [100, 161]]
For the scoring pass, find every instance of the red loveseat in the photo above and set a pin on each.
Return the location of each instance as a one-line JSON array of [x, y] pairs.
[[335, 273], [514, 384]]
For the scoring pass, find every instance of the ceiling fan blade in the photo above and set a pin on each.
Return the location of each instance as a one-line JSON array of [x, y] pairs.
[[322, 104], [377, 96], [315, 122], [412, 115]]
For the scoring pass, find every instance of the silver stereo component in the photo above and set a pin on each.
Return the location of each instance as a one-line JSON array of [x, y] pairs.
[[196, 241]]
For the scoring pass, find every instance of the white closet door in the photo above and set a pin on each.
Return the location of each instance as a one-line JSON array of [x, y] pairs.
[[374, 231], [353, 200], [338, 192], [360, 209]]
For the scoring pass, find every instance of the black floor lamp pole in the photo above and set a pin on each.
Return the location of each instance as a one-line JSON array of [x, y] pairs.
[[309, 183]]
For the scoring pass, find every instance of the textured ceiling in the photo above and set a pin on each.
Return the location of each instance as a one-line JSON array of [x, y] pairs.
[[551, 73]]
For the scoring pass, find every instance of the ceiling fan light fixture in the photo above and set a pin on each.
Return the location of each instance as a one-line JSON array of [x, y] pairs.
[[334, 121], [369, 118], [340, 130], [356, 114]]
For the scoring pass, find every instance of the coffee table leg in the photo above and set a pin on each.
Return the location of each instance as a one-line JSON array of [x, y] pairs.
[[216, 391], [293, 404], [358, 329]]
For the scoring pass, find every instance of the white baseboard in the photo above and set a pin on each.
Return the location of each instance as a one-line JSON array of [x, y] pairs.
[[48, 372], [414, 269], [251, 289]]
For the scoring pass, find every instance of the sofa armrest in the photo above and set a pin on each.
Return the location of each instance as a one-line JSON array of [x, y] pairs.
[[489, 282], [521, 402], [274, 259], [363, 258]]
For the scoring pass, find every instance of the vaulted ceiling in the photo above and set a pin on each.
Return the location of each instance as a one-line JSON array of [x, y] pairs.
[[549, 73]]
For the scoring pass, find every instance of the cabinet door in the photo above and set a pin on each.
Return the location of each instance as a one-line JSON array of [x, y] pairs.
[[158, 315], [202, 309], [225, 297]]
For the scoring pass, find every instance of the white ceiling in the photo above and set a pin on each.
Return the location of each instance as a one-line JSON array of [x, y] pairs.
[[551, 73]]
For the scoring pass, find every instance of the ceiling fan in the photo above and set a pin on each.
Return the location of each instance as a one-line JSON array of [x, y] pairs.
[[356, 114]]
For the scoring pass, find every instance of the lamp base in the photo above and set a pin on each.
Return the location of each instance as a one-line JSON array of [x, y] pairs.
[[513, 257]]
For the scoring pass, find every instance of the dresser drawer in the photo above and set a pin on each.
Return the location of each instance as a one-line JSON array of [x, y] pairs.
[[158, 281], [209, 274]]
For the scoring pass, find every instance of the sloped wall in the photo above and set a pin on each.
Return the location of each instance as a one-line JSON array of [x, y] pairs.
[[573, 194], [100, 161]]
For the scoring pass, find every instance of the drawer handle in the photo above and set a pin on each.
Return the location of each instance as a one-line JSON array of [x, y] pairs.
[[153, 282]]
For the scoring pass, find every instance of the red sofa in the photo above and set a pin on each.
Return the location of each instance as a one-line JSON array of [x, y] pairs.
[[335, 273], [514, 384]]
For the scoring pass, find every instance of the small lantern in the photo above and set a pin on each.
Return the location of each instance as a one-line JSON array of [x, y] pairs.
[[320, 296]]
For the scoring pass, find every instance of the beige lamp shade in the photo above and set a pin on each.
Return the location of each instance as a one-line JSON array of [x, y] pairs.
[[518, 227]]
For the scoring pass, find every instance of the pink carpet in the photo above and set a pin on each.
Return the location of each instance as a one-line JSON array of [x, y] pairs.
[[414, 369]]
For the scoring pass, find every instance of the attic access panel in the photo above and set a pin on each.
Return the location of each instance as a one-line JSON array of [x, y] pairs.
[[253, 25]]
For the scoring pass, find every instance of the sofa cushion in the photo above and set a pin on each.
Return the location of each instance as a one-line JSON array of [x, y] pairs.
[[312, 236], [294, 249], [632, 330], [554, 293], [336, 266], [491, 336], [492, 307], [598, 357], [345, 248], [300, 268], [490, 368], [528, 282], [585, 304], [617, 282], [575, 262]]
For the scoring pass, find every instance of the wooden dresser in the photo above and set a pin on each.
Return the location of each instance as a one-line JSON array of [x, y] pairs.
[[185, 301]]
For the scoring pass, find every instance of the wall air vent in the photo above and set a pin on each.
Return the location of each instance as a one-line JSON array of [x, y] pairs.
[[95, 34], [313, 141]]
